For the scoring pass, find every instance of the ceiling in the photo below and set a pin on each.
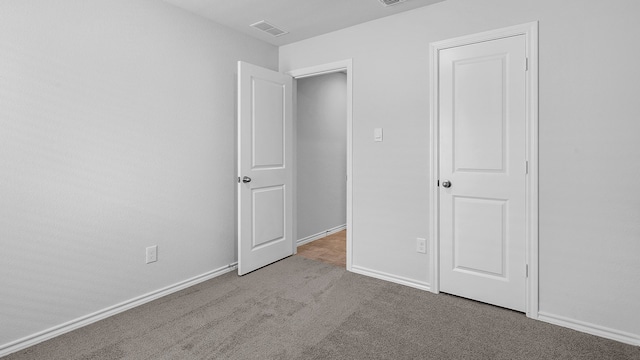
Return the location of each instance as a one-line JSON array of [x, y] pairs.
[[303, 19]]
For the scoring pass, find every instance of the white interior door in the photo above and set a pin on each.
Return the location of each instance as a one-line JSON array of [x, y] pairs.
[[265, 202], [483, 171]]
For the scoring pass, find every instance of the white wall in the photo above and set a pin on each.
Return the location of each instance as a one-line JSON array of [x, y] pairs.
[[589, 149], [321, 151], [117, 125]]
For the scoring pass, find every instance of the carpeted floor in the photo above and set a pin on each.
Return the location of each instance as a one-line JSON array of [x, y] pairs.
[[304, 309]]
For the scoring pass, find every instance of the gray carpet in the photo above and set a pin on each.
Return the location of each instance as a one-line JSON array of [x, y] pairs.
[[304, 309]]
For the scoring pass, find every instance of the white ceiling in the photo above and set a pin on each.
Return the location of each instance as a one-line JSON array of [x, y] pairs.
[[301, 18]]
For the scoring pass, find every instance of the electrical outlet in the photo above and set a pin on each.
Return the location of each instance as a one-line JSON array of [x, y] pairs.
[[421, 245], [152, 254]]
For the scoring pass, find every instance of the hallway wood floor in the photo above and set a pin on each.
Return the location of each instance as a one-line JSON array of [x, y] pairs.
[[331, 249]]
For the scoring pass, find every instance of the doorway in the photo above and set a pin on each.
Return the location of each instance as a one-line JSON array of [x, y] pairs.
[[484, 167], [267, 206], [321, 165], [322, 175]]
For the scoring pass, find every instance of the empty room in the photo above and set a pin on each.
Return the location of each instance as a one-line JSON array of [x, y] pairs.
[[319, 179]]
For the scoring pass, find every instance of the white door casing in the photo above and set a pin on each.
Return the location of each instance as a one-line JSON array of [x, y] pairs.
[[484, 141], [265, 176]]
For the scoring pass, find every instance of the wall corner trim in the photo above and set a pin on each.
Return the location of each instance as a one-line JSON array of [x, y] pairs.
[[30, 340], [589, 328]]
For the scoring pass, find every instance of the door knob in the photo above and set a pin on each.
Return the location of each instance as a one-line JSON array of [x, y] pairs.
[[446, 184], [246, 179]]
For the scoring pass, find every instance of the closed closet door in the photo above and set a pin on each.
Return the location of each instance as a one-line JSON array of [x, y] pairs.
[[482, 121]]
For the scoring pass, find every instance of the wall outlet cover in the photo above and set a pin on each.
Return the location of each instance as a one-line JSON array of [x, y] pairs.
[[152, 254], [421, 245]]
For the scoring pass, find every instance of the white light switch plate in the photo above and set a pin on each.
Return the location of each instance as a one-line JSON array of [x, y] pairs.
[[377, 134]]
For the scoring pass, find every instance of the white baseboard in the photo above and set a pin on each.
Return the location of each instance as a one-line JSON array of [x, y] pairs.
[[391, 278], [589, 328], [17, 345], [320, 235]]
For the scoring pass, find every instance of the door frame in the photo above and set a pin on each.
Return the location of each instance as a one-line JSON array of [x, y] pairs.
[[322, 69], [530, 31]]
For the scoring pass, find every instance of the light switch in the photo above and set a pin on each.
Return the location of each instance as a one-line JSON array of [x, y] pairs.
[[377, 134]]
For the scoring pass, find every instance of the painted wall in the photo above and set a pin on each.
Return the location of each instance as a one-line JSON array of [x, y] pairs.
[[321, 153], [589, 149], [117, 123]]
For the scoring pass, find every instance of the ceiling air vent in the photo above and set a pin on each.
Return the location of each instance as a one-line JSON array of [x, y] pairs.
[[268, 28], [391, 2]]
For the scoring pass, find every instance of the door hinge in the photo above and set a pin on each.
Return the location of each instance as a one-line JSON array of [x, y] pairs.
[[526, 64], [526, 167], [526, 270]]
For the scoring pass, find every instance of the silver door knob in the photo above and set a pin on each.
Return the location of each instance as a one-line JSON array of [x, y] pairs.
[[246, 179], [446, 184]]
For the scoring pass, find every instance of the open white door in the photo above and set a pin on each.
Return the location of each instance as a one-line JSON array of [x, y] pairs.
[[265, 176]]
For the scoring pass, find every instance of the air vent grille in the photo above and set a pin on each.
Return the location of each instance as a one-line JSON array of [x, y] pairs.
[[269, 28], [391, 2]]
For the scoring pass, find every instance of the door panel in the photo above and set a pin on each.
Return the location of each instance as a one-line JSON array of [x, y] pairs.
[[479, 101], [482, 152], [479, 228], [268, 215], [265, 203], [267, 122]]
